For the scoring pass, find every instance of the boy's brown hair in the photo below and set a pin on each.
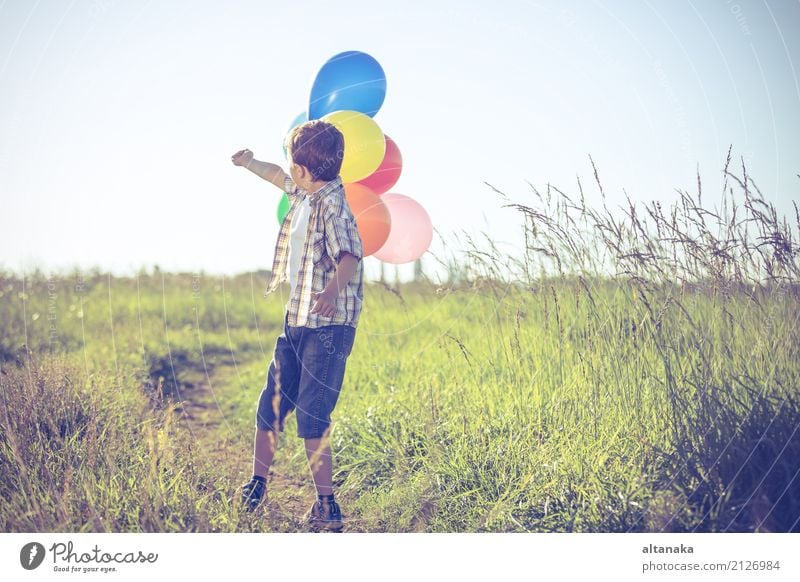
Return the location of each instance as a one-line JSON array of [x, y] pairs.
[[319, 147]]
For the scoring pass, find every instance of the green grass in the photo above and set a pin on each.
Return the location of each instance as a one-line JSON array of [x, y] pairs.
[[639, 374], [474, 408]]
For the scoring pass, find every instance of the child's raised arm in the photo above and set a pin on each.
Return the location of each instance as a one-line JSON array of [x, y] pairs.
[[269, 172]]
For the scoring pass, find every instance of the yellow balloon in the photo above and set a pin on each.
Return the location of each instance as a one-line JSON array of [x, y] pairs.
[[364, 144]]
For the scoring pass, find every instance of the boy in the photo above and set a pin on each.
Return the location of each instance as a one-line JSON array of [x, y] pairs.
[[320, 245]]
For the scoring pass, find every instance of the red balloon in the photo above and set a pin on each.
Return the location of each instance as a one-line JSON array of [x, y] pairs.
[[372, 216], [388, 173]]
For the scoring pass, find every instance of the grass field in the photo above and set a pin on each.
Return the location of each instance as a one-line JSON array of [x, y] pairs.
[[659, 395]]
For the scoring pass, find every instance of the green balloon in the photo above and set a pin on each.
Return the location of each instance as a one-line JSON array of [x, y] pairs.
[[283, 207]]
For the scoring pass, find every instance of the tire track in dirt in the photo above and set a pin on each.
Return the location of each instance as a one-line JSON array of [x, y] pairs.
[[229, 451]]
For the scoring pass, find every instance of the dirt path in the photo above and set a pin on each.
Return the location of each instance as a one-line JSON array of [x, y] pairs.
[[222, 429]]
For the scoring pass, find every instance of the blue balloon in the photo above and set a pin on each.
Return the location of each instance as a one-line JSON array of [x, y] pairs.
[[352, 81], [301, 118]]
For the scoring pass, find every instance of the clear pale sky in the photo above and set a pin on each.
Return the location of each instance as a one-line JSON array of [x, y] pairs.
[[118, 119]]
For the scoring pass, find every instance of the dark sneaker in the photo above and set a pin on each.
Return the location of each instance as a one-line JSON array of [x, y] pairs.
[[325, 515], [253, 493]]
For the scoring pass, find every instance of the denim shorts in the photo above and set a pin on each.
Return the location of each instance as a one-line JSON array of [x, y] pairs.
[[305, 375]]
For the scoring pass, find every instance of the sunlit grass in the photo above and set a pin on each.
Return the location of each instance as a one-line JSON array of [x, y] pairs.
[[579, 400]]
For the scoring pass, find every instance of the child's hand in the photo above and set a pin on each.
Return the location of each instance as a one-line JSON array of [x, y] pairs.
[[323, 303], [242, 158]]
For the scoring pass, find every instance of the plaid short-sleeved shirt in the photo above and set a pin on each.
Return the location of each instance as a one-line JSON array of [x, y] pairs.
[[331, 229]]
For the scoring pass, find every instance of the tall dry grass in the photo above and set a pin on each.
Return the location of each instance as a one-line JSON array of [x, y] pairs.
[[632, 369]]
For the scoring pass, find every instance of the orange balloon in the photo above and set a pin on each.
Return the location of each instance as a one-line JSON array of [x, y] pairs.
[[372, 216]]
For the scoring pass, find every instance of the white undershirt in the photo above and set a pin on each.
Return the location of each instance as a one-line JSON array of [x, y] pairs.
[[297, 238]]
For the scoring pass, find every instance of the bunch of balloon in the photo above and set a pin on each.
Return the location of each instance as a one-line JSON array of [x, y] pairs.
[[347, 92]]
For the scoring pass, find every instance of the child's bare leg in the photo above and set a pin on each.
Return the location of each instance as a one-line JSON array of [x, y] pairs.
[[318, 452], [266, 441]]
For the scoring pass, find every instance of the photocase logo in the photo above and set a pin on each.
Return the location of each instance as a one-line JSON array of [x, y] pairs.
[[31, 556]]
